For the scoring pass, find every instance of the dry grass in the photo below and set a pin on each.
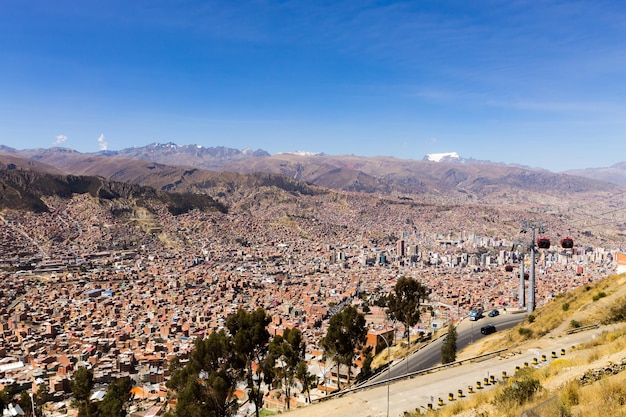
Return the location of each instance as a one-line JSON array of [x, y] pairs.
[[606, 398], [561, 394], [478, 403], [606, 344], [553, 317], [398, 351]]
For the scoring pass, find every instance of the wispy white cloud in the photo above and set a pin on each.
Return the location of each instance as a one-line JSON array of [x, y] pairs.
[[60, 139], [102, 144], [558, 106]]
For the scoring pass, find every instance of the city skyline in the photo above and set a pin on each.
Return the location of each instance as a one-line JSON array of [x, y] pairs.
[[532, 84]]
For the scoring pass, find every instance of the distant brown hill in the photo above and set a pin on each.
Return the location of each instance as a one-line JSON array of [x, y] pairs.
[[274, 183], [391, 175], [615, 174], [247, 177], [10, 159], [25, 189], [385, 175]]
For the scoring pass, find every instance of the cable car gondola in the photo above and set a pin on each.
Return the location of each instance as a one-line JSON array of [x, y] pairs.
[[567, 243], [543, 243]]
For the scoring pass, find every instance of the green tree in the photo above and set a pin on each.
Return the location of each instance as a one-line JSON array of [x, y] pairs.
[[190, 401], [366, 369], [42, 397], [205, 386], [346, 333], [82, 383], [381, 301], [87, 409], [26, 403], [448, 347], [4, 400], [285, 354], [305, 378], [403, 303], [250, 345], [118, 395]]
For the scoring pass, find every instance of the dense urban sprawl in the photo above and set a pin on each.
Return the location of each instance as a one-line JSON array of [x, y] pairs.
[[124, 290]]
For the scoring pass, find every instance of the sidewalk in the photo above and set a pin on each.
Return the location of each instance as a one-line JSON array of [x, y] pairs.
[[418, 392]]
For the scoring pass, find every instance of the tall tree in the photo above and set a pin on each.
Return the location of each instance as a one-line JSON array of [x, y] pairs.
[[117, 397], [368, 358], [42, 397], [346, 333], [26, 403], [305, 378], [250, 344], [448, 347], [286, 352], [404, 303], [4, 400], [206, 385], [81, 384]]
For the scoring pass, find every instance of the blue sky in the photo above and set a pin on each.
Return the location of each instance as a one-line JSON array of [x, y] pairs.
[[539, 83]]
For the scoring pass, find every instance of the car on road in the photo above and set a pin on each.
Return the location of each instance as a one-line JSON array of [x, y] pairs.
[[493, 313], [475, 314], [488, 329]]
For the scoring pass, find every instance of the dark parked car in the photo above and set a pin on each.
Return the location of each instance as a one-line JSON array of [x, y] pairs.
[[488, 329], [493, 313]]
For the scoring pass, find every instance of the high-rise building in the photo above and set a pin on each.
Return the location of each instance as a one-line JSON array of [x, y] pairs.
[[400, 249]]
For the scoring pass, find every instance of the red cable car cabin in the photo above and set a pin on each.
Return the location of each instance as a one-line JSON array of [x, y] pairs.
[[567, 243], [543, 243]]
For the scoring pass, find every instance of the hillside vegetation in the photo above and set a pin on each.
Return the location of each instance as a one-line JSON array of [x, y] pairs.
[[589, 381]]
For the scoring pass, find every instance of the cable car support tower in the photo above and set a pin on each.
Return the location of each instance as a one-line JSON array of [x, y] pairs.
[[531, 226]]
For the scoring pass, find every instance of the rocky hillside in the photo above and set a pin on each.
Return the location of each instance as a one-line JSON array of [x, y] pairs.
[[176, 167], [248, 178], [24, 190]]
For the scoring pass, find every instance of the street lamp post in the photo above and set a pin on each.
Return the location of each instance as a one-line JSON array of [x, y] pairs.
[[32, 403], [388, 370]]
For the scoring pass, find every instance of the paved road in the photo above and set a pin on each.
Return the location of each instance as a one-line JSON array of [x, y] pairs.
[[429, 356], [417, 393]]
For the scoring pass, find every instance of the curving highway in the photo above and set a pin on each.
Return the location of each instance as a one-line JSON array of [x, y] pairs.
[[430, 355]]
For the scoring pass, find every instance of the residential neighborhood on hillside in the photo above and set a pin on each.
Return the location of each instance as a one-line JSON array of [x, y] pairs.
[[83, 289]]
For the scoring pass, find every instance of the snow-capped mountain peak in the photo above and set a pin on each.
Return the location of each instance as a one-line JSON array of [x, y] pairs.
[[301, 153]]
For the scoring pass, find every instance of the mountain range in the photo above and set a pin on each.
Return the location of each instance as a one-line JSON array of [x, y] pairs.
[[347, 172], [232, 176]]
